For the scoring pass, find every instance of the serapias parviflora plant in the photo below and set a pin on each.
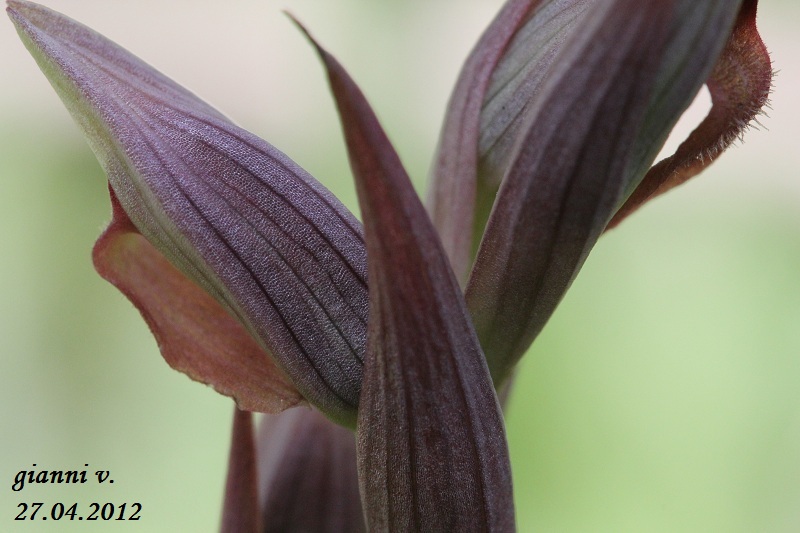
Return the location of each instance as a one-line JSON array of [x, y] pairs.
[[256, 280]]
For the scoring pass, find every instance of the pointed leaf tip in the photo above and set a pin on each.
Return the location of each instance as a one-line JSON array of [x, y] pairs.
[[432, 454], [275, 249]]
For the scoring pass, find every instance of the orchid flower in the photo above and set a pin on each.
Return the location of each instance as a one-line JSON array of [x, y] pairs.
[[256, 280]]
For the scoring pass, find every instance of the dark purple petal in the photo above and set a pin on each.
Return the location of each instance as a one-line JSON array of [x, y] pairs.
[[307, 472], [739, 85], [517, 82], [235, 215], [240, 510], [621, 82], [432, 454], [498, 83], [452, 196]]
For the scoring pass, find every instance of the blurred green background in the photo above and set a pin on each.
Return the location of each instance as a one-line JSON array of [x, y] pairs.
[[664, 395]]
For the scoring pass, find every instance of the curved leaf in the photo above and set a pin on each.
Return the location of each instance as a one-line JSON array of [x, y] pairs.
[[432, 454], [452, 196], [239, 218], [517, 82], [739, 85]]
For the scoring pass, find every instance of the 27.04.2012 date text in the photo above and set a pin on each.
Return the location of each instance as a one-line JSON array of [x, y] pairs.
[[107, 511]]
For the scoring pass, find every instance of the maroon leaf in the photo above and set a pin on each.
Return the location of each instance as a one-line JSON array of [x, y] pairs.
[[307, 473], [240, 510], [739, 85], [516, 83], [432, 454], [621, 82], [268, 242], [453, 196], [499, 82]]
